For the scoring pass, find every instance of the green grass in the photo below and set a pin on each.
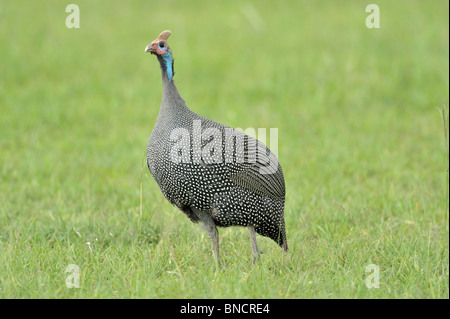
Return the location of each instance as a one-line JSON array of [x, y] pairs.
[[361, 142]]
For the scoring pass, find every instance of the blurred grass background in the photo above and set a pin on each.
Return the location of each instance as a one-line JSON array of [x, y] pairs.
[[361, 142]]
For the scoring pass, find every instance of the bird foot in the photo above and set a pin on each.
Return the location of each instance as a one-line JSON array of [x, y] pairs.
[[254, 259]]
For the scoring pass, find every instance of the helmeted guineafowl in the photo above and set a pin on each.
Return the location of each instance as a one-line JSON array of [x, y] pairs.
[[213, 173]]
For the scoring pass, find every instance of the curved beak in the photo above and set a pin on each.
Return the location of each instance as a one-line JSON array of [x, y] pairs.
[[151, 47]]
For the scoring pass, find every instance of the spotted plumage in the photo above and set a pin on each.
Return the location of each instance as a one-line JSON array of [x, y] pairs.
[[211, 172]]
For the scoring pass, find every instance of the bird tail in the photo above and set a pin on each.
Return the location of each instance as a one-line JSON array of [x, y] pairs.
[[285, 246], [282, 240]]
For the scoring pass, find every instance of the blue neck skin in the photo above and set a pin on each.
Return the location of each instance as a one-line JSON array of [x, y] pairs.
[[167, 57]]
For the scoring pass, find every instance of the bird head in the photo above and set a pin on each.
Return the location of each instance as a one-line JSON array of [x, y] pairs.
[[159, 46]]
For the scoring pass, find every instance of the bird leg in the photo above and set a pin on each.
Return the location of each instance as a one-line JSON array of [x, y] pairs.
[[211, 228], [214, 236], [255, 250]]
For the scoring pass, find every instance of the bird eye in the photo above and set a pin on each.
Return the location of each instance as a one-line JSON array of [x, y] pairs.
[[161, 44]]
